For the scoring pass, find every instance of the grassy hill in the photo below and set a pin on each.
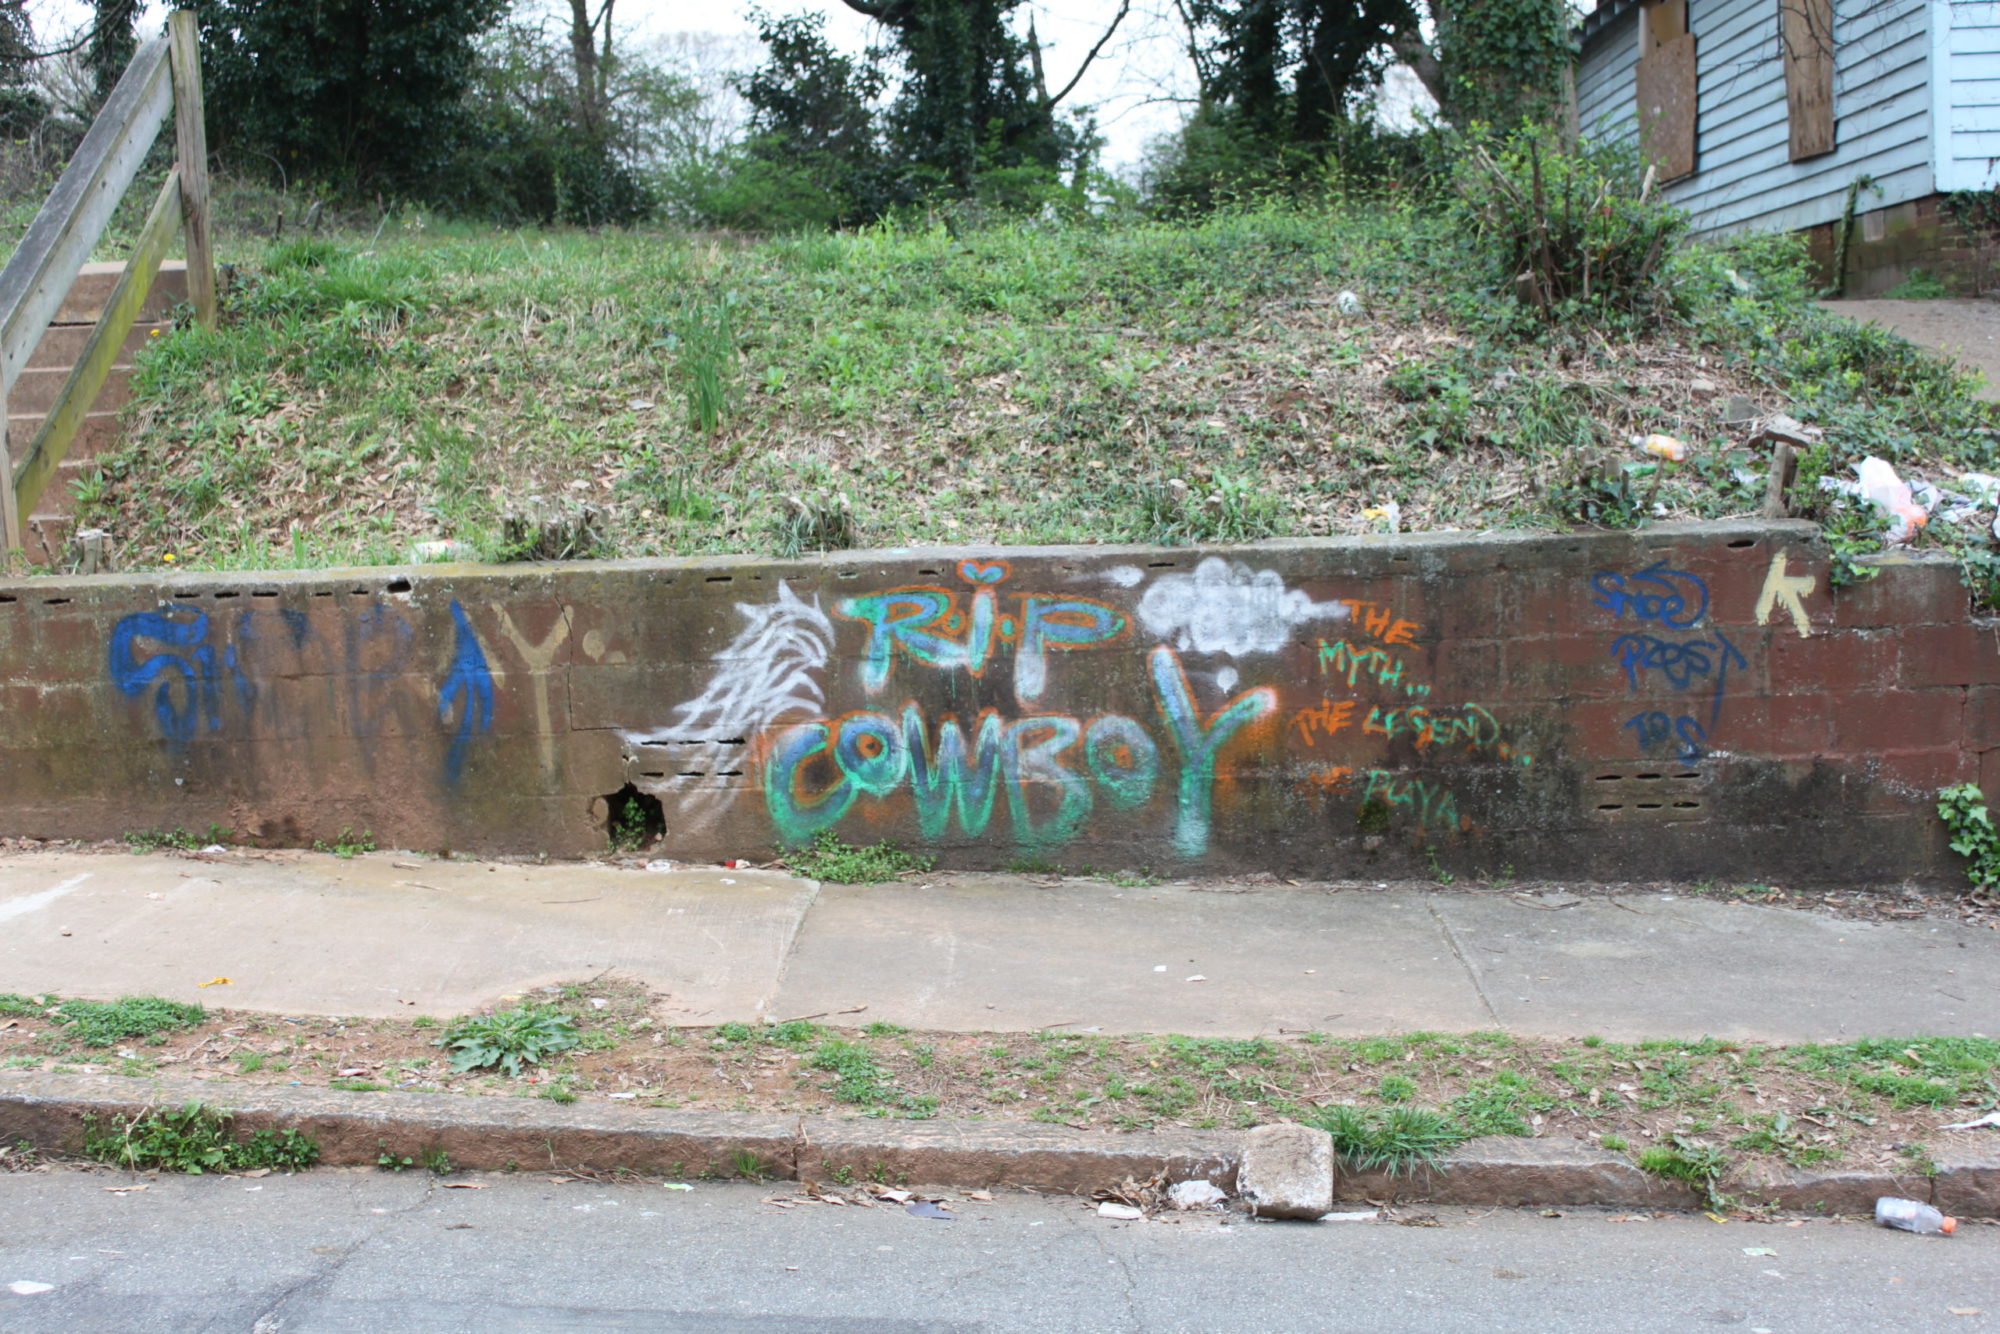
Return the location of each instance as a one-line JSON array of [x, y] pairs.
[[1279, 370]]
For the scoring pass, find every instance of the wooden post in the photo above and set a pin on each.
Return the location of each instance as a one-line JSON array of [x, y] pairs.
[[191, 142], [10, 522]]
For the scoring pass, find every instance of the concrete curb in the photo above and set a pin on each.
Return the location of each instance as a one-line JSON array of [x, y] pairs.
[[499, 1134]]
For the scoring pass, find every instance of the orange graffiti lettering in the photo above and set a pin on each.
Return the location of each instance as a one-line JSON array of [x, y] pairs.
[[1331, 777], [1325, 717], [1383, 623]]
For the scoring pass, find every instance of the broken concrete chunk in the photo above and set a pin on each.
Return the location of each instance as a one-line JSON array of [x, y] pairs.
[[1287, 1171]]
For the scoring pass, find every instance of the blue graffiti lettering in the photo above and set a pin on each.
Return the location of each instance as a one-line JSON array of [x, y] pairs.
[[1674, 598], [468, 687]]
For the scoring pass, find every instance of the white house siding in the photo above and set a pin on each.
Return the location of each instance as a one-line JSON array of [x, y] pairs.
[[1881, 104], [1965, 45]]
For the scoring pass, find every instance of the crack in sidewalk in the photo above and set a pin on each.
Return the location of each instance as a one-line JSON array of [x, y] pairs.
[[1471, 975]]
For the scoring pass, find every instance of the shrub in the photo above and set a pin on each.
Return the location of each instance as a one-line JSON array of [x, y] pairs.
[[1572, 232]]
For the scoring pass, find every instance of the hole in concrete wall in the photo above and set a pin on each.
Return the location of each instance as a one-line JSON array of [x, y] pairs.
[[1611, 806], [359, 592], [929, 574], [1161, 564], [1610, 778], [399, 586], [322, 592], [264, 593], [1687, 775], [850, 574], [1742, 542], [1403, 559], [721, 579], [8, 597], [55, 602], [222, 593], [632, 819]]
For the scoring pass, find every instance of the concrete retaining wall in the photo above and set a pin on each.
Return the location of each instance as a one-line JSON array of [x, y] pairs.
[[1685, 701]]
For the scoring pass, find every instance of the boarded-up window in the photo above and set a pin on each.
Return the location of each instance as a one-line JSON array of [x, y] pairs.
[[1666, 81], [1805, 43]]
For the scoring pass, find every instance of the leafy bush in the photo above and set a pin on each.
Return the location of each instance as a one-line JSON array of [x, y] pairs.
[[506, 1038], [1572, 233], [193, 1139]]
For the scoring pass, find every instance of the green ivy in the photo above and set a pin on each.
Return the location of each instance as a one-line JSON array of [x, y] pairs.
[[1973, 837]]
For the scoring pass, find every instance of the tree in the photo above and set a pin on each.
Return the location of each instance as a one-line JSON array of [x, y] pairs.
[[21, 106], [975, 99], [1291, 69], [364, 95], [113, 39], [813, 154]]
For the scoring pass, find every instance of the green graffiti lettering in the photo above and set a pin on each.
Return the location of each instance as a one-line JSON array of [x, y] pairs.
[[1039, 761], [944, 777], [1199, 743], [798, 817]]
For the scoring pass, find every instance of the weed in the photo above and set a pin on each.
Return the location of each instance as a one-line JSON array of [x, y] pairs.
[[820, 521], [749, 1166], [1438, 872], [561, 1089], [1613, 1143], [882, 1028], [357, 1085], [101, 1023], [828, 858], [390, 1161], [28, 1007], [195, 1139], [1397, 1140], [348, 844], [151, 840], [1973, 837], [858, 1076], [506, 1038], [1682, 1158], [629, 831], [1495, 1105], [1396, 1088], [249, 1062]]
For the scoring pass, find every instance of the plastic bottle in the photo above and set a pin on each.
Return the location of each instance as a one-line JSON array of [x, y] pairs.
[[1912, 1216]]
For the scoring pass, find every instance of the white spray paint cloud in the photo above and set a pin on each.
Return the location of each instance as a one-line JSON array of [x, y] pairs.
[[1226, 607]]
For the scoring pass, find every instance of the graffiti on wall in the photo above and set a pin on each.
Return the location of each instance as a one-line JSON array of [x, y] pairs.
[[206, 673], [1669, 652], [1007, 754]]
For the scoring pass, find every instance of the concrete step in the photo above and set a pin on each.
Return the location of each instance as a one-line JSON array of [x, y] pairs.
[[94, 282], [98, 433], [36, 391], [63, 344]]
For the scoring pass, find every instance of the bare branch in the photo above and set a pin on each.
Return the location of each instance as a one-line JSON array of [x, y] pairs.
[[1124, 8]]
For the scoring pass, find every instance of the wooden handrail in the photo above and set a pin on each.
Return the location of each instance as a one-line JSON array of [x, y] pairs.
[[60, 239], [164, 77]]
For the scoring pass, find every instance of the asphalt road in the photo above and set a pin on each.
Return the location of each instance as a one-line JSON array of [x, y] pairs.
[[376, 1253]]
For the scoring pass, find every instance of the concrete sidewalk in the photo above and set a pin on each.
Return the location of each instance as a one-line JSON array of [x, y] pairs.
[[402, 934]]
